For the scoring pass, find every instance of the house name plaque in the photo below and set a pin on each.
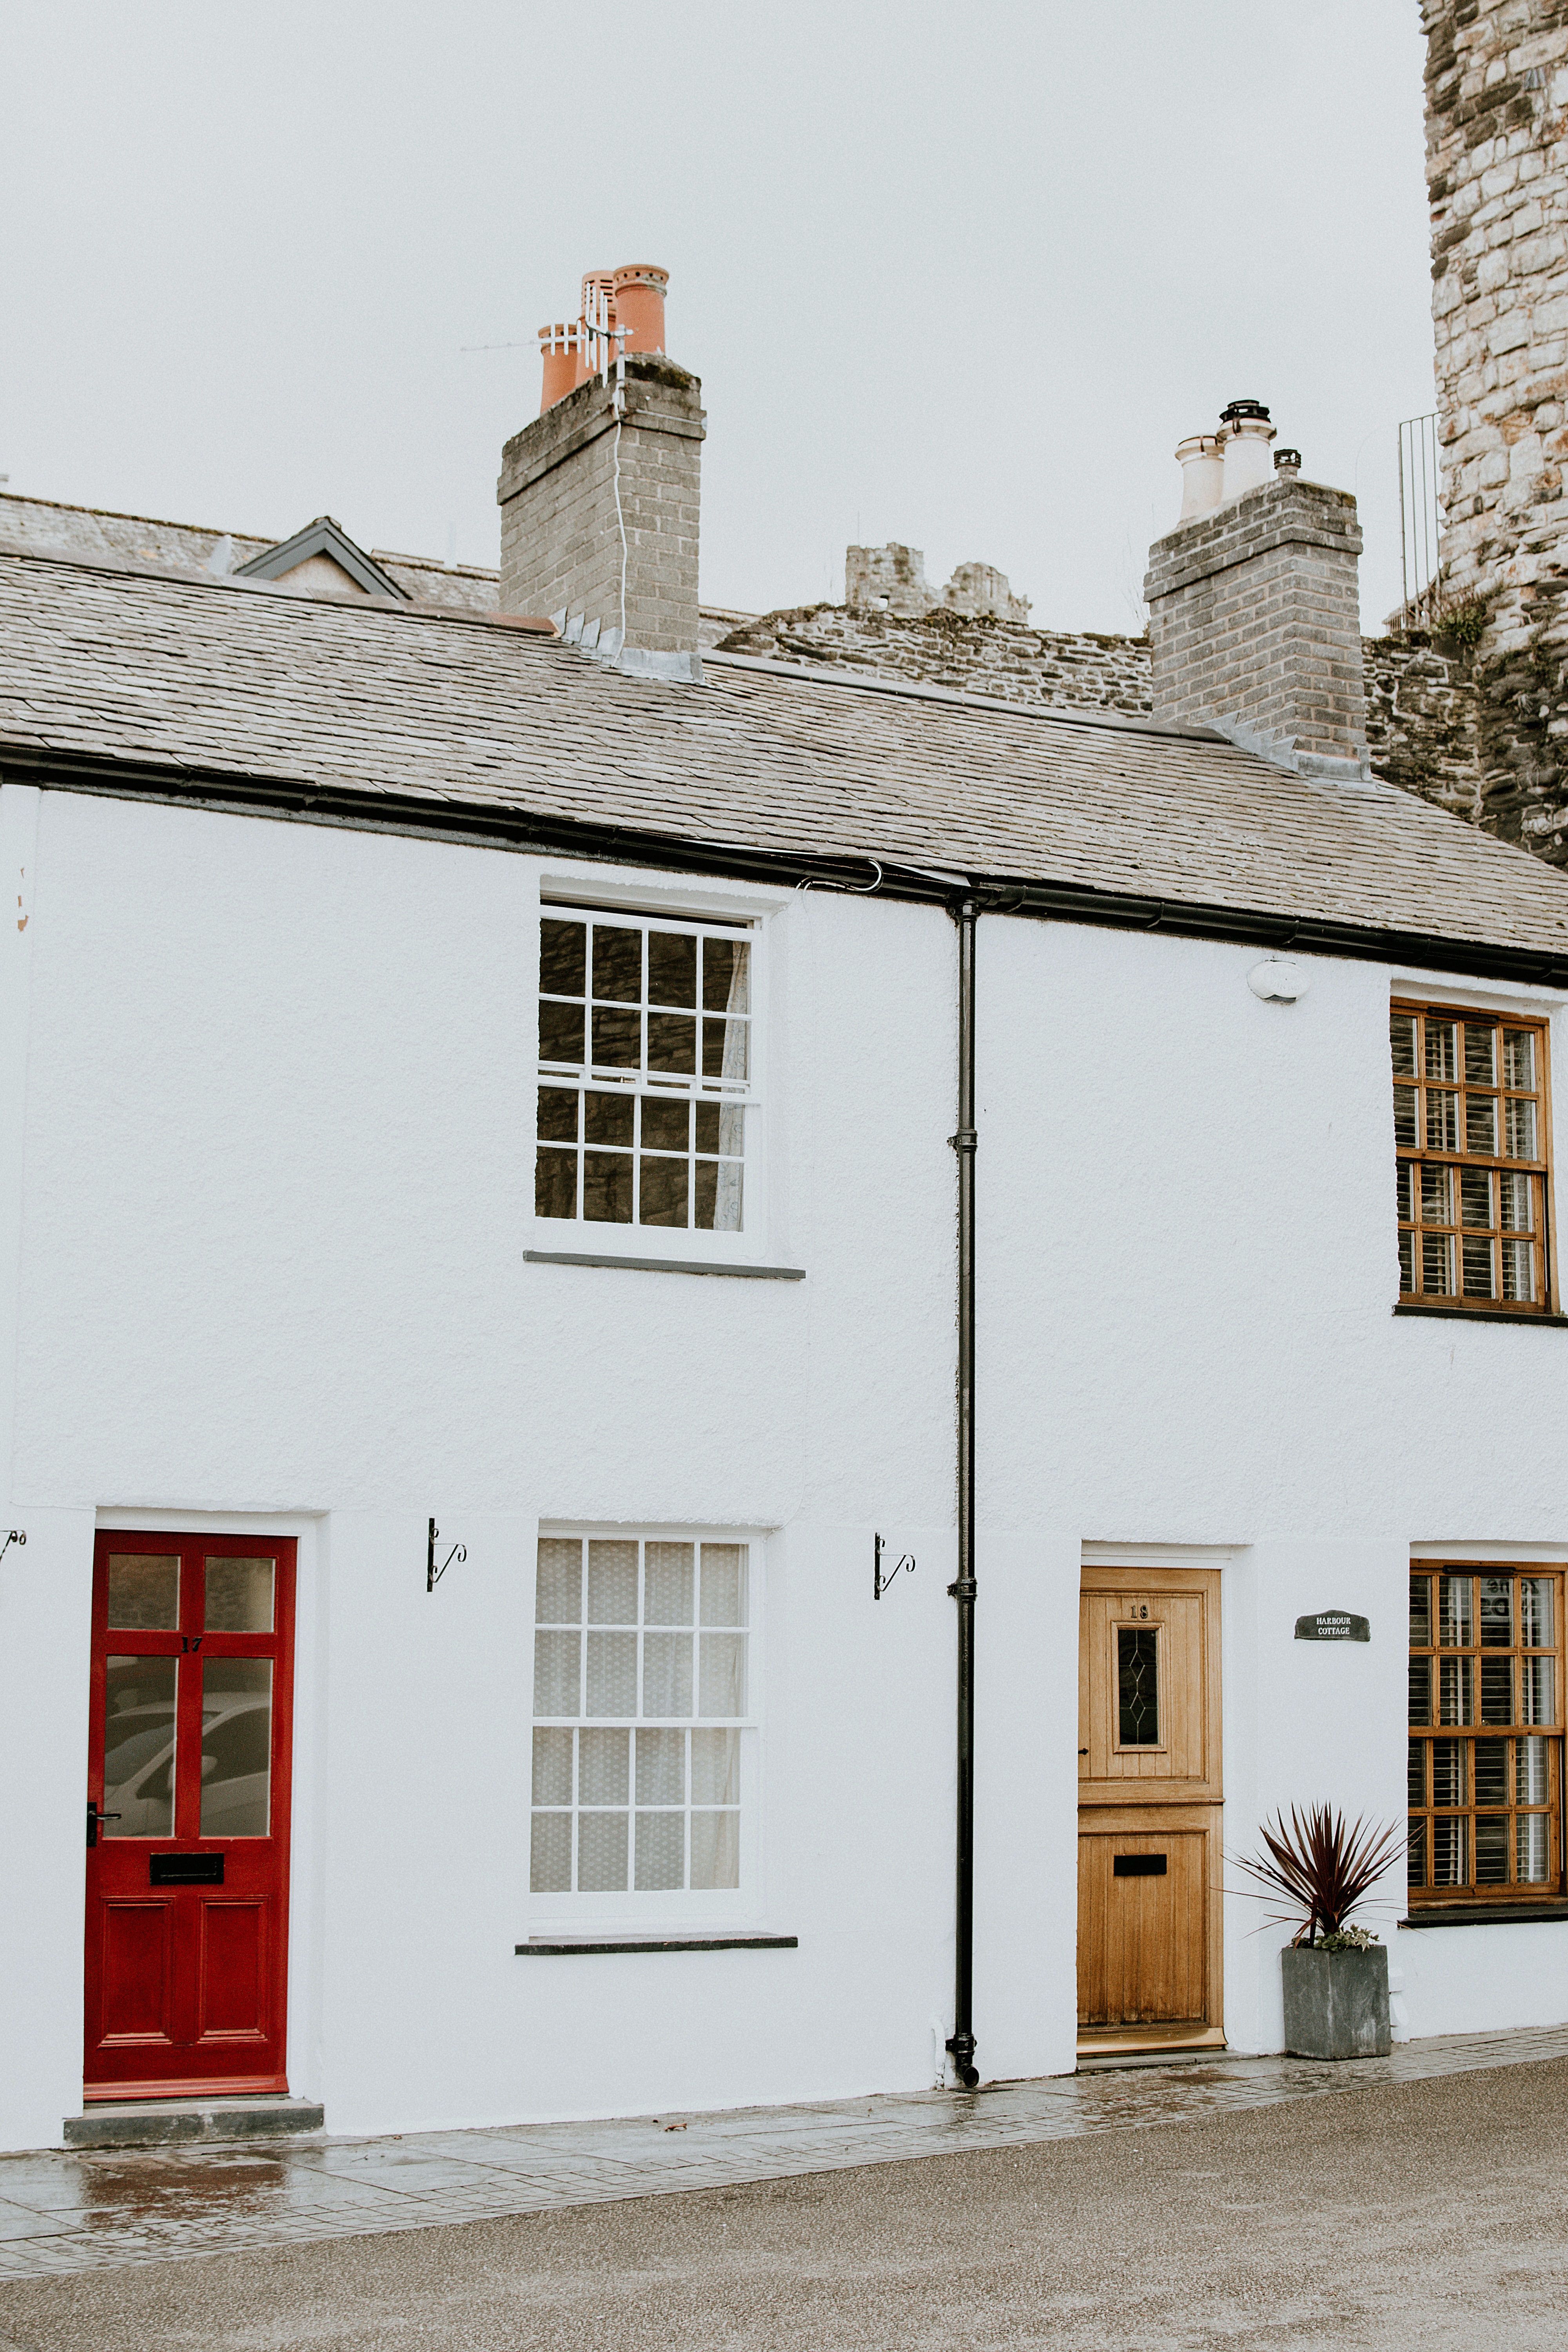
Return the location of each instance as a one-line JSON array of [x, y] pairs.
[[1332, 1626]]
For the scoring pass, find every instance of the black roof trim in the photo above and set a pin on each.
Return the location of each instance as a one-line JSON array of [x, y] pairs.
[[239, 793], [322, 537]]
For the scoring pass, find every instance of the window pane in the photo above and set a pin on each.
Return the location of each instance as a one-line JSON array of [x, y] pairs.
[[557, 1662], [1420, 1690], [1533, 1865], [608, 1187], [1448, 1771], [1404, 1128], [1518, 1272], [1436, 1196], [613, 1585], [1491, 1849], [1518, 1057], [715, 1849], [721, 1685], [1492, 1771], [1404, 1190], [604, 1768], [661, 1852], [724, 1584], [670, 1578], [1437, 1264], [1538, 1697], [716, 1196], [1415, 1854], [143, 1593], [552, 1767], [1477, 1254], [726, 968], [607, 1119], [139, 1746], [1442, 1121], [726, 1049], [1475, 1196], [1442, 1049], [1456, 1699], [672, 1042], [1497, 1613], [560, 1032], [554, 1183], [1420, 1612], [1480, 1054], [715, 1767], [1520, 1129], [1415, 1773], [1480, 1123], [1407, 1262], [236, 1746], [1535, 1611], [1518, 1203], [618, 1038], [661, 1767], [239, 1596], [613, 1675], [666, 1674], [618, 964], [663, 1191], [1137, 1687], [562, 957], [549, 1871], [558, 1114], [666, 1126], [1497, 1690], [558, 1588], [671, 968], [1454, 1613], [1450, 1852], [1531, 1783], [601, 1853]]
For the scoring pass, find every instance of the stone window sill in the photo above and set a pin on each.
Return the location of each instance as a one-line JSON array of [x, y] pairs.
[[1487, 1914], [1479, 1313], [668, 1265], [563, 1947]]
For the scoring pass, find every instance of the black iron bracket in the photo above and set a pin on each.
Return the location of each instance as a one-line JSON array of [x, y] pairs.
[[433, 1574], [881, 1578], [17, 1535]]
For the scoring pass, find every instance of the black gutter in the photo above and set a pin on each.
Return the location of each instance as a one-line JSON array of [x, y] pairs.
[[961, 2042], [321, 802]]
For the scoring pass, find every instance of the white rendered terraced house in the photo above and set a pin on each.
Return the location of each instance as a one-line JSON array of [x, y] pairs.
[[906, 1247]]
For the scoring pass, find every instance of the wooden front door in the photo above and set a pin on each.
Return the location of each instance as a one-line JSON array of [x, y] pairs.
[[187, 1815], [1149, 1805]]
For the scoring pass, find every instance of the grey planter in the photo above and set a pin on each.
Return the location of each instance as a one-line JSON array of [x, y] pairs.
[[1336, 2003]]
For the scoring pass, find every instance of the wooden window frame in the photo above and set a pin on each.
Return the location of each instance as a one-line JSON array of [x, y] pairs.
[[1431, 1207], [1466, 1727]]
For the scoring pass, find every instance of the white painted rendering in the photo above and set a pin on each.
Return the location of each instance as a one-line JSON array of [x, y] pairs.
[[264, 1196]]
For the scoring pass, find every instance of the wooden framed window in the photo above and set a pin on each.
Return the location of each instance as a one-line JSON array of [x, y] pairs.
[[1486, 1733], [645, 1088], [642, 1689], [1471, 1130]]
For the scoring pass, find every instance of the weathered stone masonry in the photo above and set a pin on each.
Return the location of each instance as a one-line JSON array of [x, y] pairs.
[[1497, 140]]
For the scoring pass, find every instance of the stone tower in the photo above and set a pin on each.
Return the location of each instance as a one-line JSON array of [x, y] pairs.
[[1497, 172]]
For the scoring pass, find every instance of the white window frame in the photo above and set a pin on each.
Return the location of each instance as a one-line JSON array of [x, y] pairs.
[[679, 1910], [565, 898]]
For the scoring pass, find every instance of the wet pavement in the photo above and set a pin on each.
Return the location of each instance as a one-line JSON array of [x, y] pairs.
[[83, 2211]]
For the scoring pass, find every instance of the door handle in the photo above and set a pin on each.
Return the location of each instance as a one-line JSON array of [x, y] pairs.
[[1083, 1751], [94, 1819]]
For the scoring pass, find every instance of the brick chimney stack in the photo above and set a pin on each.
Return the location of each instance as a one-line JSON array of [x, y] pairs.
[[1254, 620], [599, 496]]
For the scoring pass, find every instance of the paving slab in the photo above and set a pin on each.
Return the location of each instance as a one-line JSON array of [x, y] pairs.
[[82, 2210]]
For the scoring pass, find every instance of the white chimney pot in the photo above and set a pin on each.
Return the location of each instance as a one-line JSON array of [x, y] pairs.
[[1248, 464], [1203, 474]]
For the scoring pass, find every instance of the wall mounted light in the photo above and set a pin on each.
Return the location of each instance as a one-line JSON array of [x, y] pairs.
[[1277, 983]]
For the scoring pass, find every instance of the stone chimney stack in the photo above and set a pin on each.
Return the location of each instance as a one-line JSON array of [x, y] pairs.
[[599, 496], [1254, 621]]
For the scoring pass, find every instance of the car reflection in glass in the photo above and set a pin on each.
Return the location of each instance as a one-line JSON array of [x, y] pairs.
[[138, 1772]]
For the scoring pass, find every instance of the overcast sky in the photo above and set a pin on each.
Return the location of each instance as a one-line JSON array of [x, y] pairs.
[[955, 275]]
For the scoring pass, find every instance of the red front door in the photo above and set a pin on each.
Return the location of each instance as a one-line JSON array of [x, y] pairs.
[[187, 1815]]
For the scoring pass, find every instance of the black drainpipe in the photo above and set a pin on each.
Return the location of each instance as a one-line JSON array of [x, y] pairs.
[[961, 2043]]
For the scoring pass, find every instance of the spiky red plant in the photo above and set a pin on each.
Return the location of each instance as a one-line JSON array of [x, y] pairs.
[[1321, 1867]]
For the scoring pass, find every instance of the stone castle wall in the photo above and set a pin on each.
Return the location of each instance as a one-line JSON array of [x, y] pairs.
[[1497, 140]]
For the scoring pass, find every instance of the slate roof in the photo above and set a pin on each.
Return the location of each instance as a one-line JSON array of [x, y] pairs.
[[438, 713]]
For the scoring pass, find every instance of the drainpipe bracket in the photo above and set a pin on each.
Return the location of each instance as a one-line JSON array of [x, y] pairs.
[[966, 1140], [965, 1589]]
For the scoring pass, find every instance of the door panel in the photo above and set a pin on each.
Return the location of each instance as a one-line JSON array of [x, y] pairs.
[[188, 1790], [1143, 1935], [1149, 1799]]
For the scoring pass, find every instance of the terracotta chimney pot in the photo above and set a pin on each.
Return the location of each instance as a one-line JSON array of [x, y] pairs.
[[639, 290]]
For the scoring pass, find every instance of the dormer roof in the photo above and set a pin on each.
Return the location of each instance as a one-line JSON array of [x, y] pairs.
[[323, 540]]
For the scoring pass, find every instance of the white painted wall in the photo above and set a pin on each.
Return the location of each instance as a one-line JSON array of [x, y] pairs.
[[271, 1195]]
